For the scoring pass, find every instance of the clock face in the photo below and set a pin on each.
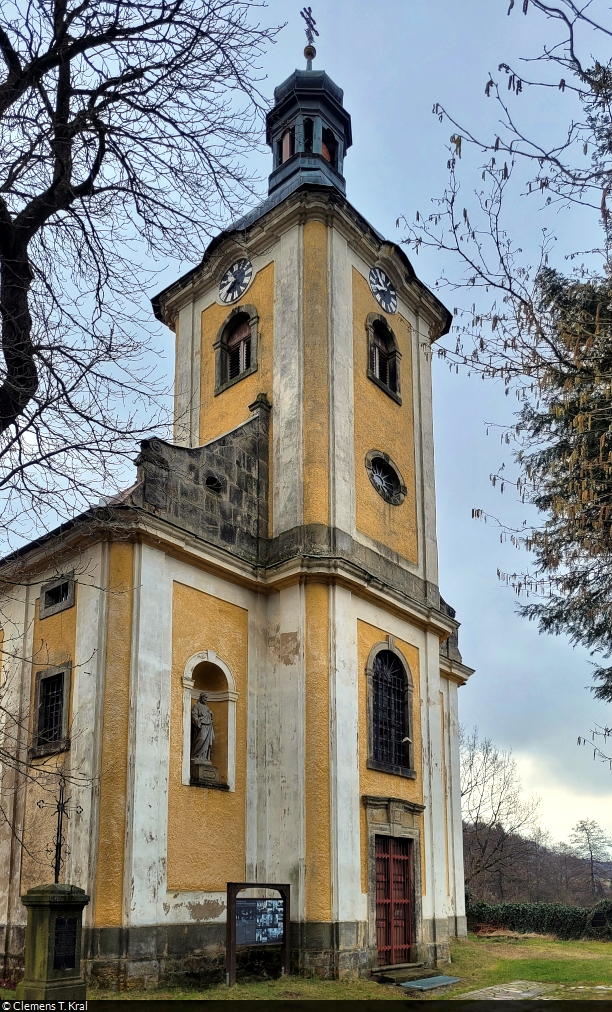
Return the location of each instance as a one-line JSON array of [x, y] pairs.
[[383, 290], [235, 281]]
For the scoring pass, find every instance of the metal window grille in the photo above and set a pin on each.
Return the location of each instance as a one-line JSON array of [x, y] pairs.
[[239, 351], [384, 478], [390, 725], [51, 709]]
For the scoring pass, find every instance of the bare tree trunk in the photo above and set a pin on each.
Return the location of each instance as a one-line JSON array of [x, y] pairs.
[[21, 380]]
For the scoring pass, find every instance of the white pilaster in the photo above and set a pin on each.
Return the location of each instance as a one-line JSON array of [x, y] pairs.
[[341, 390], [287, 383], [149, 738], [434, 900], [424, 447], [348, 902], [17, 619], [281, 818], [454, 803], [187, 379], [87, 702]]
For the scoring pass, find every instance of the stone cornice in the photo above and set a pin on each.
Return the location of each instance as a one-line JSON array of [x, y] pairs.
[[455, 671], [373, 801], [305, 555]]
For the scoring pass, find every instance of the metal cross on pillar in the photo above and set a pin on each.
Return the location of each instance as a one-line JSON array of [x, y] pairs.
[[310, 51], [62, 809]]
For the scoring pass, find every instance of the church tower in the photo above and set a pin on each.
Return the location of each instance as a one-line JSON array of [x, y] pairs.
[[279, 556], [303, 313]]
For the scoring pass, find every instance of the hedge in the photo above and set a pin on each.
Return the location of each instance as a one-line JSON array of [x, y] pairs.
[[546, 918]]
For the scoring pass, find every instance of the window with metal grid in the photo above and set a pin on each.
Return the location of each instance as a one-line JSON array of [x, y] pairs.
[[389, 716], [50, 721]]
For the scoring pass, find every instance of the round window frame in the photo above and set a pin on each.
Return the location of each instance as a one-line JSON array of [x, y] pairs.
[[399, 495]]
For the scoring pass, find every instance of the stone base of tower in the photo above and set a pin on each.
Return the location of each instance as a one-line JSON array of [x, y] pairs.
[[331, 950], [177, 955], [183, 954]]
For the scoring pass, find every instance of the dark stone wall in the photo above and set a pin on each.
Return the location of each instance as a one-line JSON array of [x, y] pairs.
[[172, 484], [450, 647], [194, 954]]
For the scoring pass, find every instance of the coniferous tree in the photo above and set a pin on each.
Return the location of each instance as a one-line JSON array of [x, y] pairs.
[[546, 335]]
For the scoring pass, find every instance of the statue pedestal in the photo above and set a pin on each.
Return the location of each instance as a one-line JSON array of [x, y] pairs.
[[53, 945], [205, 773]]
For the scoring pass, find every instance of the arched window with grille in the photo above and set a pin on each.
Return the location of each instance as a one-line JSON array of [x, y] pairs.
[[390, 714], [383, 356], [236, 347]]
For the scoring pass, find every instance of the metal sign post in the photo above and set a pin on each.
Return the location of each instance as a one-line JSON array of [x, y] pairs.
[[256, 922]]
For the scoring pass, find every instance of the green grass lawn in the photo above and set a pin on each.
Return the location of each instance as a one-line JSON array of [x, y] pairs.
[[577, 967], [481, 962]]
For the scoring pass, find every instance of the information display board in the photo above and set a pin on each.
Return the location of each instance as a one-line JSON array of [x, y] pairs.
[[256, 922], [259, 922]]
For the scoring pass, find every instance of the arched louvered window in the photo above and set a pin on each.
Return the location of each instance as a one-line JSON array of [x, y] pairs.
[[239, 350], [391, 747], [236, 347], [383, 363]]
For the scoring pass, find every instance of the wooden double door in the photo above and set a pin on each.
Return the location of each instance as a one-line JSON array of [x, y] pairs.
[[394, 913]]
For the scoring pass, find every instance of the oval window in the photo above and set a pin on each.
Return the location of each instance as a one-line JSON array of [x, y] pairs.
[[385, 478]]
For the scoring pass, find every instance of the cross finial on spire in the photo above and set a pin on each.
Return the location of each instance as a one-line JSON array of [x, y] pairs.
[[310, 51]]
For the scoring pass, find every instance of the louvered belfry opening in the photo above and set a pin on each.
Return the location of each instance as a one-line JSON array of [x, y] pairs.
[[389, 712], [239, 350], [382, 359], [393, 899]]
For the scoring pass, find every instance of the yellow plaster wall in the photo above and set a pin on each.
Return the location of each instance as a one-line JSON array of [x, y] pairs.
[[228, 409], [316, 375], [206, 828], [53, 644], [108, 898], [318, 814], [382, 424], [374, 782], [231, 407]]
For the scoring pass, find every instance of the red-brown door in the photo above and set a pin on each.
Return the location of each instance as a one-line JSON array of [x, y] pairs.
[[393, 900]]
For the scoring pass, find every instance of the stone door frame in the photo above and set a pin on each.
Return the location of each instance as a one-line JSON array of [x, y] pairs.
[[398, 818]]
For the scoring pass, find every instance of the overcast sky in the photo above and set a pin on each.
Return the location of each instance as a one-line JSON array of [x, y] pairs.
[[394, 59]]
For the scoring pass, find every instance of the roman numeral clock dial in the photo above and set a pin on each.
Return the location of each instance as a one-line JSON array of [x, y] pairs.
[[383, 290], [235, 281]]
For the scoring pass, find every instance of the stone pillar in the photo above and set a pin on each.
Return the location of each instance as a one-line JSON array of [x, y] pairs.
[[53, 944]]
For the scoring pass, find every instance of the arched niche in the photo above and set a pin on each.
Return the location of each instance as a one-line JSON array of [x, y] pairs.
[[205, 672]]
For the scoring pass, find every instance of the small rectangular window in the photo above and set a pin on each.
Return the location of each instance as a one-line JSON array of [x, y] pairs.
[[51, 703], [51, 709], [57, 595]]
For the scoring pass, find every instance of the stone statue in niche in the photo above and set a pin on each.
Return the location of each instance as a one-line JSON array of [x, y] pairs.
[[204, 734], [202, 738]]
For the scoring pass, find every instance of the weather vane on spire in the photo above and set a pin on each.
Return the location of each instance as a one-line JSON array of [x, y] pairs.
[[310, 51]]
